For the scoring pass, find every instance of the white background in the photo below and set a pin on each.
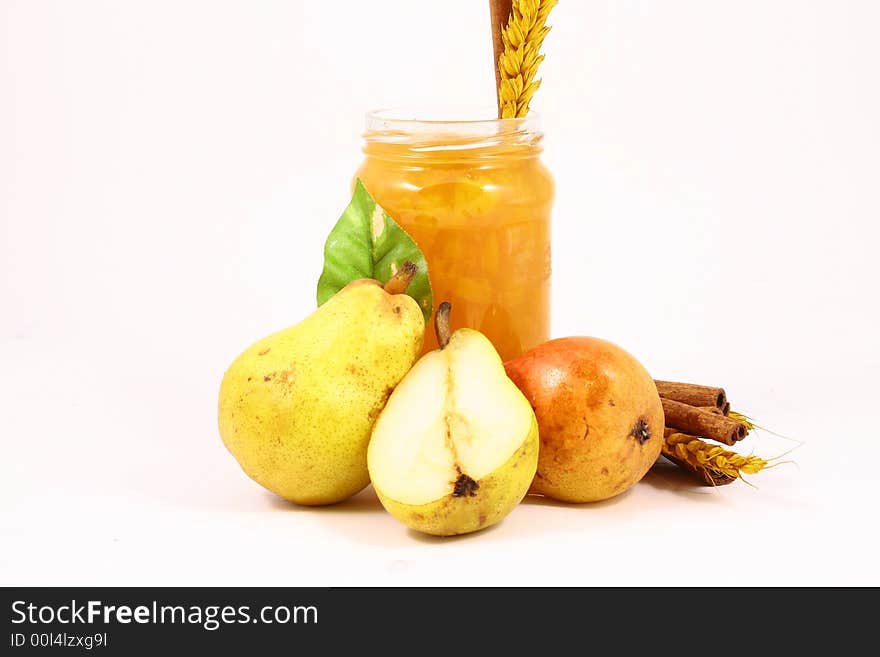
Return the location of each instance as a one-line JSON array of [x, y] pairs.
[[169, 171]]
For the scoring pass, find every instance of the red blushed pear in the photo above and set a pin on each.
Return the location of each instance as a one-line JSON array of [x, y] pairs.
[[600, 419]]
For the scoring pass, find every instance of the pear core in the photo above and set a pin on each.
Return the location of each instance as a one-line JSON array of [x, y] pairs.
[[453, 420]]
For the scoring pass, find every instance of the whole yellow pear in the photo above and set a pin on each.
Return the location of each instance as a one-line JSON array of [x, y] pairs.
[[297, 408]]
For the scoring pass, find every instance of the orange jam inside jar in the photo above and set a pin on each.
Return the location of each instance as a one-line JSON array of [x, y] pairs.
[[476, 198]]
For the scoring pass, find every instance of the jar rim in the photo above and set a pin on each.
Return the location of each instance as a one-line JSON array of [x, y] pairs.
[[458, 118], [409, 136]]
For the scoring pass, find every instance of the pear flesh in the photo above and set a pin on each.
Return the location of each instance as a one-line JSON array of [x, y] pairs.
[[456, 447], [297, 408]]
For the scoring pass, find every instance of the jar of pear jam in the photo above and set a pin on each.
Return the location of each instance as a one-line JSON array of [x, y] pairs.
[[476, 198]]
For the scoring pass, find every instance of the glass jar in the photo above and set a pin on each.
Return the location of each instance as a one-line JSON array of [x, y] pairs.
[[476, 198]]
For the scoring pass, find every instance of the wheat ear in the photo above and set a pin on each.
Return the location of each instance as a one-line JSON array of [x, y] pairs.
[[519, 61], [742, 419], [710, 458]]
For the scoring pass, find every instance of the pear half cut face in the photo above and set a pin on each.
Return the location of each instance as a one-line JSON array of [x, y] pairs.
[[455, 419]]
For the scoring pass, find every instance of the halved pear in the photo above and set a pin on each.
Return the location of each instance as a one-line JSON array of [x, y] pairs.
[[456, 446]]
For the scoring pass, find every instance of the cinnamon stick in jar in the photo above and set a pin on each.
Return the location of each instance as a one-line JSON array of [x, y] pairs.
[[696, 422], [692, 394], [500, 15]]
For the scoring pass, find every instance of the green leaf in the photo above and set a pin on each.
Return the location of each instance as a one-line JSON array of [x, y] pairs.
[[367, 243]]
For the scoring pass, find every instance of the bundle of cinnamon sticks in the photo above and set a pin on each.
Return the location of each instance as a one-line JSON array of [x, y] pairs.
[[701, 412]]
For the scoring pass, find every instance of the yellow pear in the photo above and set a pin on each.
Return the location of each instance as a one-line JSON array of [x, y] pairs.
[[296, 408], [456, 447]]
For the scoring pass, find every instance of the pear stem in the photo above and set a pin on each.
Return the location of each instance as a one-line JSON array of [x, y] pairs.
[[441, 324], [398, 283]]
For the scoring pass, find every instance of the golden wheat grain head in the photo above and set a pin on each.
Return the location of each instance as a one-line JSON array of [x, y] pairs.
[[520, 57]]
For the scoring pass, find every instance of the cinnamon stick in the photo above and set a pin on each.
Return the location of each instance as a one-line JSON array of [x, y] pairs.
[[691, 420], [724, 410], [500, 11], [691, 393]]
